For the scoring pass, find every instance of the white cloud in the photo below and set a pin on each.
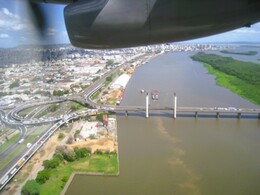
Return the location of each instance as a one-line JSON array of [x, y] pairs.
[[4, 36], [245, 30], [249, 30], [12, 22], [65, 33], [51, 31]]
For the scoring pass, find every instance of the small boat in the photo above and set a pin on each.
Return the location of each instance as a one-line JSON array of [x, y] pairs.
[[154, 94]]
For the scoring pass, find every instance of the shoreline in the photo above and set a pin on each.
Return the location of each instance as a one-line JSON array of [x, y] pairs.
[[68, 183], [14, 186], [227, 81], [241, 78], [111, 96], [87, 174], [64, 190], [103, 174]]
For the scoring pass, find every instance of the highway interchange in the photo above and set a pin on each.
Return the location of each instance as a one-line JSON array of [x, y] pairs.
[[28, 126], [32, 131]]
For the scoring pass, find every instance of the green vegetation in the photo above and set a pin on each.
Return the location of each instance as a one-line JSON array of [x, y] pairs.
[[42, 113], [61, 136], [92, 136], [76, 107], [95, 79], [240, 77], [11, 156], [23, 113], [2, 94], [110, 78], [53, 163], [50, 81], [58, 170], [43, 176], [112, 101], [27, 92], [31, 188], [83, 87], [249, 53], [95, 95], [14, 84], [60, 92], [54, 108], [22, 146], [51, 109], [9, 142], [99, 116], [109, 63], [77, 134]]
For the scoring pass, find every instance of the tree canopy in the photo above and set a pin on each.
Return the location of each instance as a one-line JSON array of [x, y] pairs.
[[31, 188]]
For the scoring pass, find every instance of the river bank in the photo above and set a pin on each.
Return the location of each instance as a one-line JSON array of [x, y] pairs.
[[242, 78], [103, 157], [185, 156], [112, 95]]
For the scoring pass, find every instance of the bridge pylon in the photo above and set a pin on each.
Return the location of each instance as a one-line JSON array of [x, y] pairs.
[[147, 105], [239, 115], [174, 106]]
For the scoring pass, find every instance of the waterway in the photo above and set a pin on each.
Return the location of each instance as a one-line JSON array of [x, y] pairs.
[[161, 155]]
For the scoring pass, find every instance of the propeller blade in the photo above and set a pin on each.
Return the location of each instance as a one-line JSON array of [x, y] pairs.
[[38, 16]]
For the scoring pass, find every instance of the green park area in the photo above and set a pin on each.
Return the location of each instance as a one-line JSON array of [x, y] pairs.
[[66, 161], [240, 77]]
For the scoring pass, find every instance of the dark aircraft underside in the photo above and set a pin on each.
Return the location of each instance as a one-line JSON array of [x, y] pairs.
[[101, 24]]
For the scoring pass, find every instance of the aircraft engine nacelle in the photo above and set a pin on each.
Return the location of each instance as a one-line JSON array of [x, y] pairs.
[[101, 24]]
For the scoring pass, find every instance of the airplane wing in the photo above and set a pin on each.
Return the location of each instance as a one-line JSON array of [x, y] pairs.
[[105, 24]]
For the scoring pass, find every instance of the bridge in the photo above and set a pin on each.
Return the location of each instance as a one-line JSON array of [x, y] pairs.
[[196, 111]]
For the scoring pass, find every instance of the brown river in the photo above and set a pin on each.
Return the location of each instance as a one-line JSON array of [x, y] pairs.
[[183, 156]]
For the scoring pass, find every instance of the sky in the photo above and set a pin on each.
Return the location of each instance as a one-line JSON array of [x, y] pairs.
[[16, 27]]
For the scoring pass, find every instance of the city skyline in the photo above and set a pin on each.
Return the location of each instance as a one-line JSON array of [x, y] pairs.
[[16, 27]]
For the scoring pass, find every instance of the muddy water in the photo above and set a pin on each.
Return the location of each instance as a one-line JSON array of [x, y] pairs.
[[160, 155]]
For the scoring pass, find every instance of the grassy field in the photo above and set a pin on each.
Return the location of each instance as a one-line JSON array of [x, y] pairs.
[[242, 78], [12, 155], [21, 146], [103, 163], [23, 113], [8, 143]]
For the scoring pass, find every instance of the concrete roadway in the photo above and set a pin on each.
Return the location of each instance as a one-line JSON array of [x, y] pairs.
[[195, 110], [9, 121]]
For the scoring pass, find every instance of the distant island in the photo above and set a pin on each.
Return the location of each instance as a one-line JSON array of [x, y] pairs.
[[249, 53], [240, 77]]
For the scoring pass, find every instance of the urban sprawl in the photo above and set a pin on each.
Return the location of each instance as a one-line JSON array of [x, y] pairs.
[[61, 70]]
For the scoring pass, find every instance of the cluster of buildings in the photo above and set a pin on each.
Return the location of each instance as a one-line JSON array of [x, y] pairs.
[[71, 73]]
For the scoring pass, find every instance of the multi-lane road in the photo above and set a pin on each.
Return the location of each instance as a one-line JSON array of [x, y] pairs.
[[12, 120], [21, 158]]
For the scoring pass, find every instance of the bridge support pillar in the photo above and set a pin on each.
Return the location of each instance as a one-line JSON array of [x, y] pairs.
[[175, 106], [196, 114], [126, 113], [147, 105], [217, 115], [239, 115]]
